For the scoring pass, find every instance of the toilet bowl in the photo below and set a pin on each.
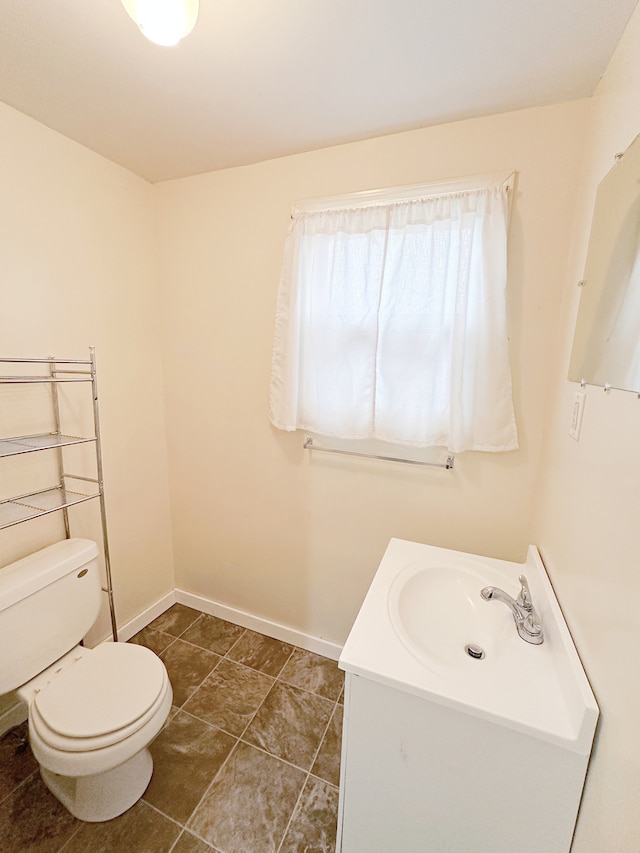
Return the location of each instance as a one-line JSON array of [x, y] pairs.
[[92, 712], [92, 716]]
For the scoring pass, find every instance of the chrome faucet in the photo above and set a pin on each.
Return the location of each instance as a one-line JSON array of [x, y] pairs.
[[527, 620]]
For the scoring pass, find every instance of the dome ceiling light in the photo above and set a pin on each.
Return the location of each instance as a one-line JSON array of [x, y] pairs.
[[164, 22]]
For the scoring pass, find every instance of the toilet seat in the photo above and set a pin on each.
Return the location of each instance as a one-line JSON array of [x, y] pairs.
[[56, 741], [104, 698], [89, 762]]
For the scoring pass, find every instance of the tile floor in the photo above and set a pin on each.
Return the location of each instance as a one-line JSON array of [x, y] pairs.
[[248, 761]]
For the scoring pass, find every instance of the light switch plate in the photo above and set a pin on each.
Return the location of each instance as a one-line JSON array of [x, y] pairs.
[[577, 411]]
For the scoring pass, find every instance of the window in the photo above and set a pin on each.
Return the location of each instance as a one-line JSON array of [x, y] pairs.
[[391, 320]]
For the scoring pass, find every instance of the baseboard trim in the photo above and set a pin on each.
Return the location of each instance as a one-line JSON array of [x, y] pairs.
[[13, 716], [130, 628], [258, 623]]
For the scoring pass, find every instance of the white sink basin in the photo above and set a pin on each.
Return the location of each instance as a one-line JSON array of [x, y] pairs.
[[424, 608], [438, 614]]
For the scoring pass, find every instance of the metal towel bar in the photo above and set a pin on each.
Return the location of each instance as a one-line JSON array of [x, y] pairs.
[[448, 463]]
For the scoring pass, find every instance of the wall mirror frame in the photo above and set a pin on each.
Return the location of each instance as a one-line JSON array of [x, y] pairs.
[[606, 344]]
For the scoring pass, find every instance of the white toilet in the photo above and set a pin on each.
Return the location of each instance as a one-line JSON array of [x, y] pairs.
[[92, 712]]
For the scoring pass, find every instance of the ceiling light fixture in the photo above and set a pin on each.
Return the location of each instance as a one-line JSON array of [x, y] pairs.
[[163, 22]]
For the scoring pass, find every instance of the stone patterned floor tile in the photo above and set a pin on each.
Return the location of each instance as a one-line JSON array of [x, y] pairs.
[[187, 666], [175, 620], [31, 819], [187, 754], [229, 697], [262, 653], [157, 641], [213, 634], [290, 724], [141, 829], [327, 763], [188, 843], [314, 824], [249, 804], [314, 673], [16, 759]]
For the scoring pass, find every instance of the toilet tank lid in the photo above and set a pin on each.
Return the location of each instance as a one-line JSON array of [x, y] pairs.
[[24, 577]]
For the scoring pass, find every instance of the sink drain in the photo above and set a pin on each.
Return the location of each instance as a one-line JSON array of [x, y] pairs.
[[474, 651]]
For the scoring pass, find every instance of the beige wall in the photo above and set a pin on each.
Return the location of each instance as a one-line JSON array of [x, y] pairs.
[[77, 268], [587, 520], [259, 523]]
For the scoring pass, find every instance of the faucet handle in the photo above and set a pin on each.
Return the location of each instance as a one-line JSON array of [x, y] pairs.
[[524, 599]]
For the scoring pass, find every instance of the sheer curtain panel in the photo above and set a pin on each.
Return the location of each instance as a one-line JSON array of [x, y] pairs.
[[391, 323]]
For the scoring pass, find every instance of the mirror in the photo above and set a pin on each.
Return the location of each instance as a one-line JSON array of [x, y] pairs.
[[606, 344]]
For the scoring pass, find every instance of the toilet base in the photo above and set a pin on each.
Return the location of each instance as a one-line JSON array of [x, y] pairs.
[[102, 796]]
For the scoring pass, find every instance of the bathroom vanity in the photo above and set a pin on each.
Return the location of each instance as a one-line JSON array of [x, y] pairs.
[[458, 734]]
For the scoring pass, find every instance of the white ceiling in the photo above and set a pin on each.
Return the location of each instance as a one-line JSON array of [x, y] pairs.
[[265, 78]]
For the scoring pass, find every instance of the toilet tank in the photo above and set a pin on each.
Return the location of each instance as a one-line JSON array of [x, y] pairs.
[[48, 602]]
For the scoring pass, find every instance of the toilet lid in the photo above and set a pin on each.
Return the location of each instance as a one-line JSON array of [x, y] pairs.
[[103, 692]]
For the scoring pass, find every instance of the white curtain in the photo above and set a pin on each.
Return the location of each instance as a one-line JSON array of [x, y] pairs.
[[391, 324]]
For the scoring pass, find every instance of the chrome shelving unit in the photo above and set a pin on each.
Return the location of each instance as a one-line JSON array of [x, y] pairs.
[[65, 493]]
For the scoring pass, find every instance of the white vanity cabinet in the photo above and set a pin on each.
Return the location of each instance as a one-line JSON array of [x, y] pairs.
[[447, 752], [419, 777]]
